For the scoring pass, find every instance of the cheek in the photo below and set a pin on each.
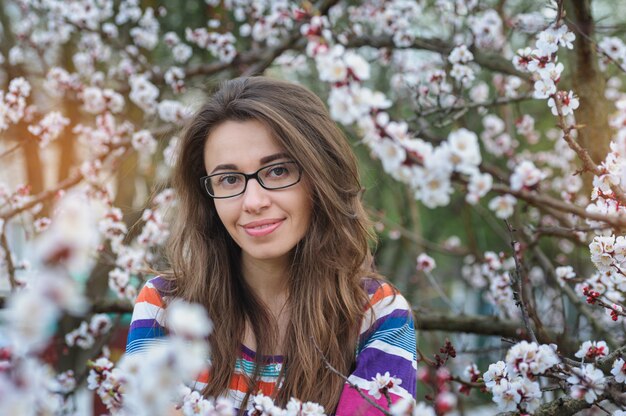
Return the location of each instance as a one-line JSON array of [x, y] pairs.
[[306, 210], [223, 213]]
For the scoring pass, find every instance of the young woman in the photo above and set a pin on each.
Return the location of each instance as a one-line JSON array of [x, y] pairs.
[[271, 237]]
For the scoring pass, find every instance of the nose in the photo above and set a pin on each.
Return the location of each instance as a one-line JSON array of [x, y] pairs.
[[255, 198]]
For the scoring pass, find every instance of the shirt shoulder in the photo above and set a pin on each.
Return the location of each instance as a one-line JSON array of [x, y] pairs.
[[147, 323], [382, 296], [387, 310]]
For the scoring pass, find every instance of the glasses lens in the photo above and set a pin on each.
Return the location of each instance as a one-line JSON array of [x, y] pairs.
[[280, 175], [225, 185]]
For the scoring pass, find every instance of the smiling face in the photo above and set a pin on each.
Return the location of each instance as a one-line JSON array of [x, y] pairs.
[[266, 224]]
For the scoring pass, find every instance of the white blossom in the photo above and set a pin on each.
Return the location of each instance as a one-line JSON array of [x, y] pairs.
[[425, 263], [383, 383], [587, 383], [143, 141], [503, 205], [525, 175], [619, 370], [188, 320], [589, 350]]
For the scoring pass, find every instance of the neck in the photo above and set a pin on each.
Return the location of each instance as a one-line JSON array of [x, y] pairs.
[[267, 279]]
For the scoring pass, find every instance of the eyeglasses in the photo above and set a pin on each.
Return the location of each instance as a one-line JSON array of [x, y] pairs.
[[229, 184]]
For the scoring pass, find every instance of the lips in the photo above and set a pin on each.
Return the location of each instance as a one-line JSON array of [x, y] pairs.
[[263, 227]]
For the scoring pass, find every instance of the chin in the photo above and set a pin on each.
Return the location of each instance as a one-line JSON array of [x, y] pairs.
[[270, 254]]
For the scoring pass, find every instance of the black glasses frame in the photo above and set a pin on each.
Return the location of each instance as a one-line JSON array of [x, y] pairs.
[[205, 179]]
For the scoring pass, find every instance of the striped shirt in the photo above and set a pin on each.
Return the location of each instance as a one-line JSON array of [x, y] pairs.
[[386, 344]]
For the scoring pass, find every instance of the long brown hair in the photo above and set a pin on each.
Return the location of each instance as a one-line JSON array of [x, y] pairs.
[[326, 294]]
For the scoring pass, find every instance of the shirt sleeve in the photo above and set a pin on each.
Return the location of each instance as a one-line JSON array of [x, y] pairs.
[[386, 344], [146, 326]]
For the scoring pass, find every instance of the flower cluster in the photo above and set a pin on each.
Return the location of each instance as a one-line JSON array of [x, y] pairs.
[[513, 381], [97, 100], [107, 134], [542, 63], [396, 18], [608, 254], [487, 30], [222, 46], [143, 93], [471, 374], [459, 58], [445, 400], [13, 102], [49, 128], [85, 335], [493, 271], [107, 381], [29, 386], [146, 33], [151, 379], [194, 404], [614, 50], [264, 406]]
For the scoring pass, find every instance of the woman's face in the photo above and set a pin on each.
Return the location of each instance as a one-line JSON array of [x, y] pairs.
[[266, 224]]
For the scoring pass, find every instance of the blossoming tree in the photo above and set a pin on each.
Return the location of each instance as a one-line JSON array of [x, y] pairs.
[[505, 117]]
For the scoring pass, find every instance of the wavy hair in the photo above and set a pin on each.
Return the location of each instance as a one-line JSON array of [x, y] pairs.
[[326, 297]]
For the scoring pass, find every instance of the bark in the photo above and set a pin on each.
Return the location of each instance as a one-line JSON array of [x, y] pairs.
[[588, 82], [67, 140], [559, 407]]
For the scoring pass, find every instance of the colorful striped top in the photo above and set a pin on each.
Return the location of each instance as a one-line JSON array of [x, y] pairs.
[[386, 344]]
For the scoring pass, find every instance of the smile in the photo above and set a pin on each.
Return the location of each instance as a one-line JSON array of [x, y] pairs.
[[262, 228]]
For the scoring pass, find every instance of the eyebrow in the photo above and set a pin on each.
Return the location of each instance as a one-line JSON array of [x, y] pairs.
[[262, 161]]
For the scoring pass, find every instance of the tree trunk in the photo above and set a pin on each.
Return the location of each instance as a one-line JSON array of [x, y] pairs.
[[588, 82]]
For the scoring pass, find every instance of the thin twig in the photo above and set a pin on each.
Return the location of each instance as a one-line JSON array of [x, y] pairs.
[[10, 150], [351, 384], [575, 300], [588, 164], [468, 106], [440, 292], [414, 237], [467, 383], [63, 185], [589, 39], [4, 243], [517, 285]]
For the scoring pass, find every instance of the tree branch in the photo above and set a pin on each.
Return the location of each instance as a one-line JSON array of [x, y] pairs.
[[351, 384], [492, 61], [538, 200], [4, 243], [467, 106], [559, 407], [472, 324]]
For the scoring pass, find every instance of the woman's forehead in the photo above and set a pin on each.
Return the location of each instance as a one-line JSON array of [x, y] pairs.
[[241, 144]]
